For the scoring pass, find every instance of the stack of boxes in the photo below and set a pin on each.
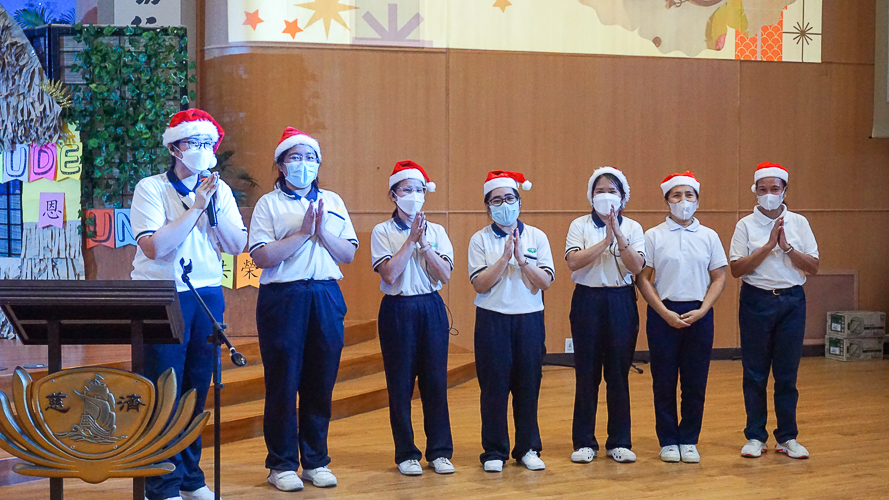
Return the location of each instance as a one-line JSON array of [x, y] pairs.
[[855, 335]]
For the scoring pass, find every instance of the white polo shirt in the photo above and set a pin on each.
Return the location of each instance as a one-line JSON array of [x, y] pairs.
[[682, 258], [514, 293], [161, 199], [280, 214], [776, 271], [607, 270], [387, 239]]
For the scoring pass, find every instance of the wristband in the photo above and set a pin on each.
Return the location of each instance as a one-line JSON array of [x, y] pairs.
[[525, 264], [426, 248], [788, 250]]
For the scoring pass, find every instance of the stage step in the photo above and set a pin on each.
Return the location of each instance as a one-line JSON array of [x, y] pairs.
[[354, 333], [350, 397], [247, 384]]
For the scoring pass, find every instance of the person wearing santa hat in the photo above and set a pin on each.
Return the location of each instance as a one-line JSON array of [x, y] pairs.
[[510, 266], [684, 275], [604, 250], [299, 235], [171, 220], [414, 258], [772, 251]]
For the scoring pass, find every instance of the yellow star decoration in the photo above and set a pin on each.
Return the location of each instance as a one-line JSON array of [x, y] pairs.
[[326, 10], [502, 4]]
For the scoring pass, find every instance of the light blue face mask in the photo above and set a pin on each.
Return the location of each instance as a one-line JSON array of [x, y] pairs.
[[301, 173], [506, 214]]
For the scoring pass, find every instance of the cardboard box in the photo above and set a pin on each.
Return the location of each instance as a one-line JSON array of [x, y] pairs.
[[859, 349], [856, 324]]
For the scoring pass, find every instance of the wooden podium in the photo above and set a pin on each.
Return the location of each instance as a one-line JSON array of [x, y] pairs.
[[64, 312]]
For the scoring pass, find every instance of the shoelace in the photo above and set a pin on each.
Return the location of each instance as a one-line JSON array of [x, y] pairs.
[[442, 460]]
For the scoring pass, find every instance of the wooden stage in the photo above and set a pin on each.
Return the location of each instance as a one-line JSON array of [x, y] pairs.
[[844, 419]]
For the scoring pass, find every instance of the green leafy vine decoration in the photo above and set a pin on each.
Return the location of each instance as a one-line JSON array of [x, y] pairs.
[[135, 80]]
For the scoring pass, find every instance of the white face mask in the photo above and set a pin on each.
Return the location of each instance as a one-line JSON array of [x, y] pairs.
[[684, 210], [770, 201], [301, 173], [604, 202], [198, 160], [411, 203]]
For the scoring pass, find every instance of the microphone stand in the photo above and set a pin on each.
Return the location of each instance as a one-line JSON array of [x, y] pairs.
[[217, 338]]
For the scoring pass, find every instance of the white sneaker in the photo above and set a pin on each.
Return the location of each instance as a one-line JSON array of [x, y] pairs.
[[202, 493], [689, 453], [443, 466], [285, 480], [621, 455], [532, 461], [670, 454], [320, 477], [792, 449], [583, 456], [494, 466], [754, 449], [410, 468]]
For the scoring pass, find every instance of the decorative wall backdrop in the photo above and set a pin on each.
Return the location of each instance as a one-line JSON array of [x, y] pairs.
[[762, 30]]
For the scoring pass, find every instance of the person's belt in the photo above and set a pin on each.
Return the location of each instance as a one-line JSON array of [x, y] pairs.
[[777, 291]]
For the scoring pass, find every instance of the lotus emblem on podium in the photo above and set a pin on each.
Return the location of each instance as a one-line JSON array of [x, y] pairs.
[[96, 423]]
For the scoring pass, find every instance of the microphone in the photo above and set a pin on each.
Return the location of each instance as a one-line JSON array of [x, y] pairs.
[[211, 207]]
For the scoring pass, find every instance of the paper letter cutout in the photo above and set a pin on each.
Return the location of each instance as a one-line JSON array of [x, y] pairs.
[[69, 161], [43, 161], [31, 197], [51, 211], [104, 228], [15, 163], [123, 229], [246, 272], [228, 264]]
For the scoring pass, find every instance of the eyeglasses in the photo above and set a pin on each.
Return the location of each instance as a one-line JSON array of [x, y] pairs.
[[406, 190], [197, 144], [508, 199], [310, 157]]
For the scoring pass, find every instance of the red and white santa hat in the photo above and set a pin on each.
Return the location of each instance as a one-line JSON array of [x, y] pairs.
[[192, 122], [768, 169], [502, 178], [408, 169], [615, 172], [684, 179], [293, 137]]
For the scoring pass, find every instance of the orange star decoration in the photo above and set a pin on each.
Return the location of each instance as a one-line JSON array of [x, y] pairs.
[[253, 19], [502, 5], [292, 29], [326, 10]]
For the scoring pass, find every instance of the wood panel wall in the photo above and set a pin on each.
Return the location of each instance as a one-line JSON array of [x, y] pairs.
[[556, 118]]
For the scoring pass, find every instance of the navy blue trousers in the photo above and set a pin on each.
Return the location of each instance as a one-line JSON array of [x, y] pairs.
[[193, 361], [679, 355], [604, 326], [300, 327], [414, 341], [772, 325], [509, 351]]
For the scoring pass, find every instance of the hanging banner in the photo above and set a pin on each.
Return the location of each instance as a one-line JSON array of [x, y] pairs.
[[246, 272], [51, 210], [123, 229]]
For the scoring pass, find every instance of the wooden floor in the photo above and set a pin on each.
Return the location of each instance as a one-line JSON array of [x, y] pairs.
[[844, 422]]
